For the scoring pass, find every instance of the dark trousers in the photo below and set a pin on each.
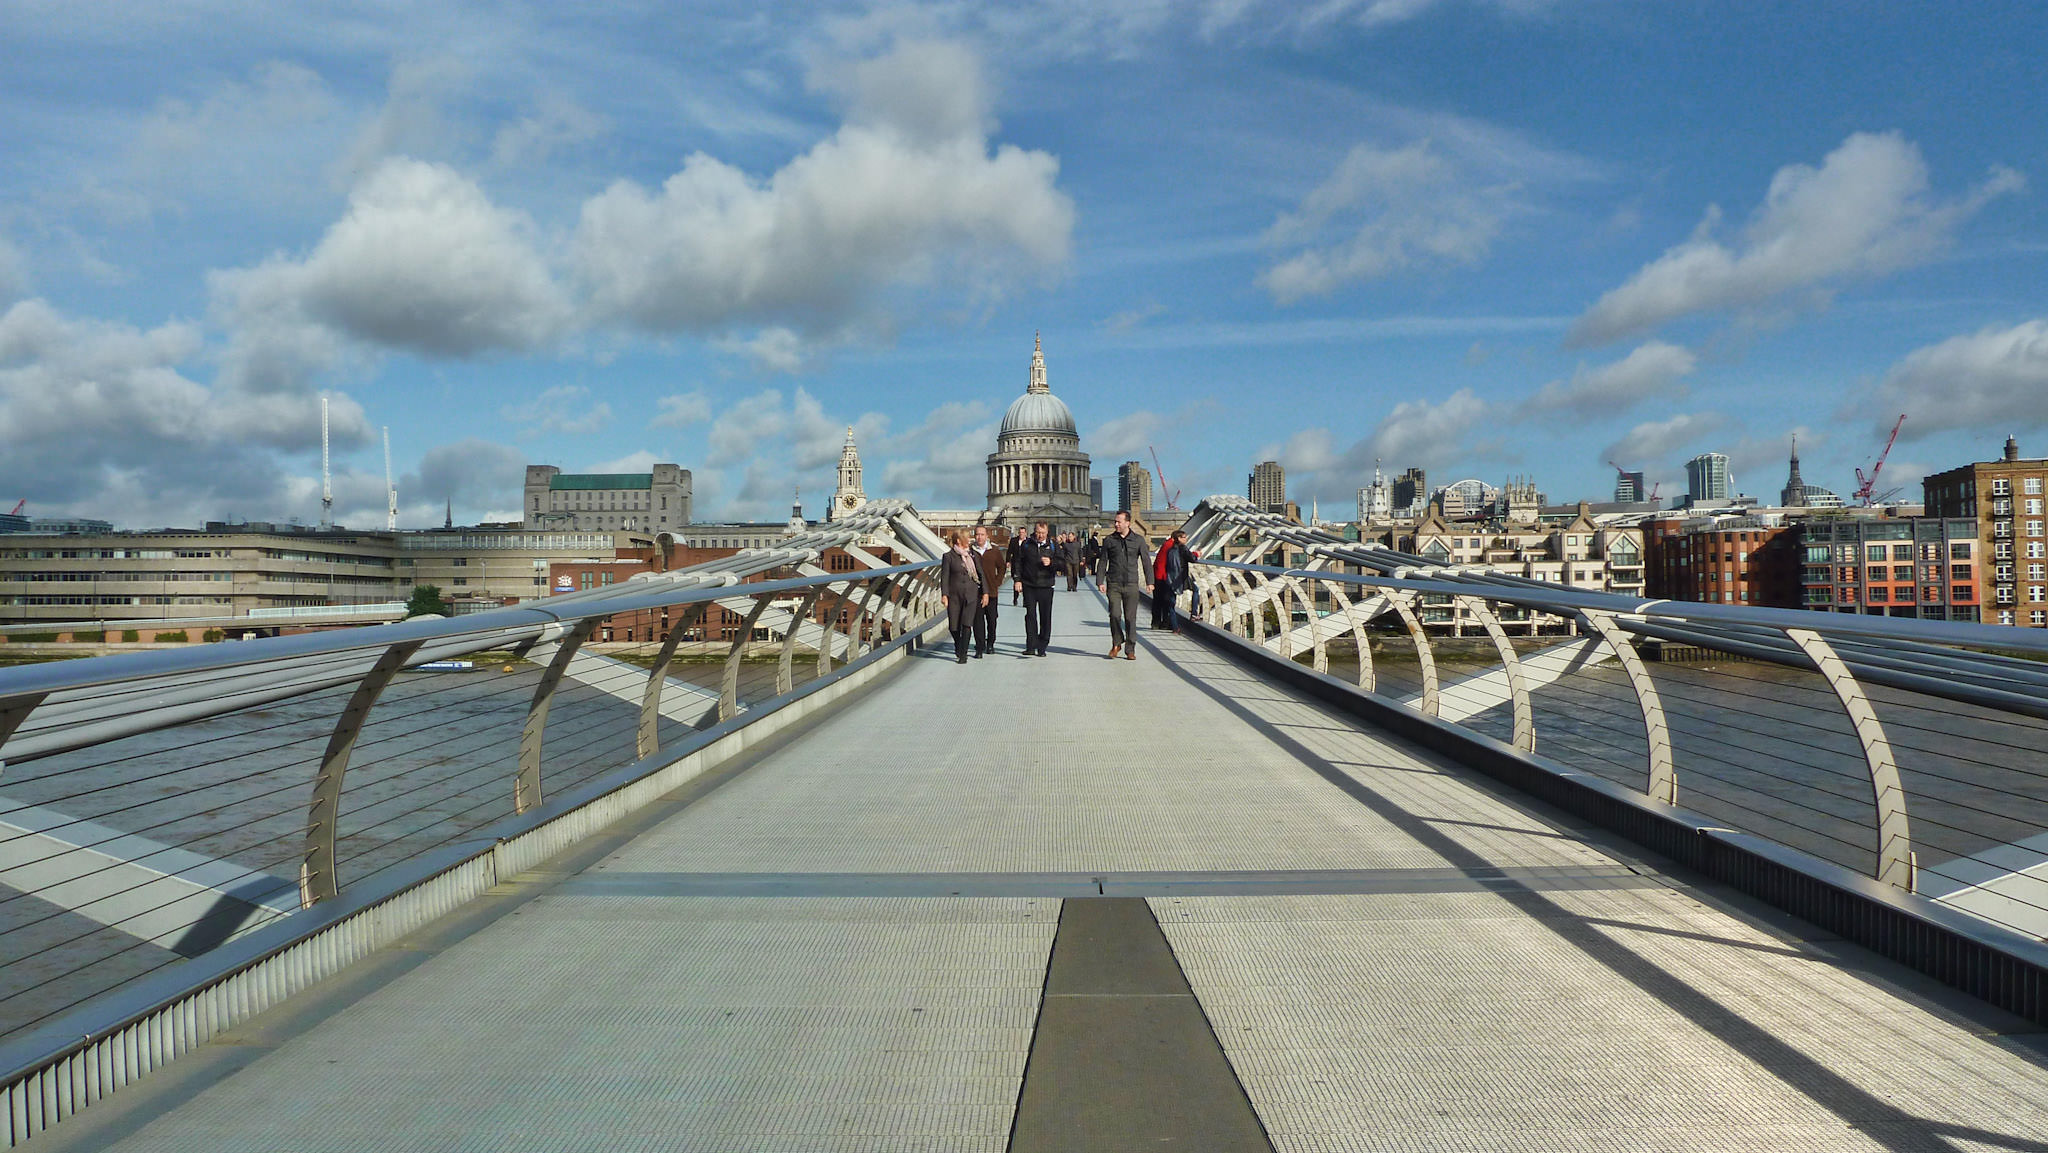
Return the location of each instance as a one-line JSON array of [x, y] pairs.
[[985, 628], [1037, 617], [1165, 600], [1073, 578], [961, 612], [1123, 615]]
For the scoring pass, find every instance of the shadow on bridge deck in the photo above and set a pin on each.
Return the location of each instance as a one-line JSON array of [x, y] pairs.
[[844, 945]]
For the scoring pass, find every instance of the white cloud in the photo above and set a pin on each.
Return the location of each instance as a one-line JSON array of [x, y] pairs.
[[1650, 372], [943, 461], [410, 123], [681, 410], [471, 473], [773, 349], [1125, 436], [99, 419], [1131, 318], [1381, 212], [1653, 446], [421, 261], [1432, 434], [1867, 210], [640, 461], [1994, 380], [1425, 432], [556, 122], [564, 409], [907, 192]]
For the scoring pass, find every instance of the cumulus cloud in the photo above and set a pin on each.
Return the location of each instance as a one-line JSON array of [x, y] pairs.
[[1651, 372], [564, 409], [1434, 434], [421, 261], [99, 418], [1867, 210], [681, 410], [907, 192], [1994, 380], [1653, 444], [942, 462], [1381, 212], [1125, 436], [470, 473], [798, 433]]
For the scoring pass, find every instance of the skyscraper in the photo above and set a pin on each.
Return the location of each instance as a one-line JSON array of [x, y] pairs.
[[1133, 487], [1628, 488], [1706, 478], [1411, 491], [1267, 487]]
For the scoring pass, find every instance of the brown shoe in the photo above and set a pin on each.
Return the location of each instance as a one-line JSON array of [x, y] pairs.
[[1113, 651], [1130, 652]]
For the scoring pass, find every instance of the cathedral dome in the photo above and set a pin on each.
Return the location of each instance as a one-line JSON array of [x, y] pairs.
[[1038, 412]]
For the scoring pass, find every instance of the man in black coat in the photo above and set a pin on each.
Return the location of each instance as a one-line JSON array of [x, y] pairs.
[[1016, 550], [1033, 576]]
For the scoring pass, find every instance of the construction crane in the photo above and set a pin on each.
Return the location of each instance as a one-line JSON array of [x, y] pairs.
[[1621, 474], [1865, 485], [1172, 495], [18, 506]]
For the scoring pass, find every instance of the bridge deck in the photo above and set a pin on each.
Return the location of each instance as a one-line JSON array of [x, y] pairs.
[[846, 947]]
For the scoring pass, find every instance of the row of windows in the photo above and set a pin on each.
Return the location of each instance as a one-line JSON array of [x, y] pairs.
[[2036, 593], [2002, 486], [2034, 550], [52, 599], [61, 577], [2004, 528], [2037, 618]]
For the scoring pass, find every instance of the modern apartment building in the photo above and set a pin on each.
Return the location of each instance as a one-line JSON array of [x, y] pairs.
[[1921, 566], [1267, 487], [2004, 500], [1706, 478]]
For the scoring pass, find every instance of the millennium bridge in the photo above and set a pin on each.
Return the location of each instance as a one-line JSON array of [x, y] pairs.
[[1313, 873]]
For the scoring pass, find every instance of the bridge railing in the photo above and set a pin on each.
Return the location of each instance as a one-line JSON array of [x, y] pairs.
[[1912, 751], [171, 822]]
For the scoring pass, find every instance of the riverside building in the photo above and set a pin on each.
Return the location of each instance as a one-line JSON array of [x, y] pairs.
[[2003, 499]]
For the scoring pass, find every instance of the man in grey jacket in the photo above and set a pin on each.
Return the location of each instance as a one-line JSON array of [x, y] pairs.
[[1126, 568]]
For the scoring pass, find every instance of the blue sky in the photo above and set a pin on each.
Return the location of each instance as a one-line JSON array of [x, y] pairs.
[[1487, 237]]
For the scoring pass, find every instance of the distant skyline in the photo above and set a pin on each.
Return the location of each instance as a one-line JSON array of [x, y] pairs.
[[1483, 237]]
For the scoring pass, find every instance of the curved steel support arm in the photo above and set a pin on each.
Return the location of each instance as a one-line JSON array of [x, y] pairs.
[[1663, 778], [729, 683], [1894, 836], [1518, 687], [318, 878], [835, 607], [1404, 607], [797, 620], [1359, 615], [526, 786], [648, 738]]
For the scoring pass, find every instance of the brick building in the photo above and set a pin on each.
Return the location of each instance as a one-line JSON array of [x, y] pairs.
[[2004, 500], [1920, 566]]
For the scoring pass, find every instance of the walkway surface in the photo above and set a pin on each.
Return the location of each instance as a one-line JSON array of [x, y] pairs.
[[846, 947]]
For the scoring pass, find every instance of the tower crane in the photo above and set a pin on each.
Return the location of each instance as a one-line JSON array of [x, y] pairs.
[[1865, 485], [1172, 495], [18, 506]]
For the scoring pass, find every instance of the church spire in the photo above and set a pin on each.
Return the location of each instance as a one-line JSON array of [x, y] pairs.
[[1038, 384]]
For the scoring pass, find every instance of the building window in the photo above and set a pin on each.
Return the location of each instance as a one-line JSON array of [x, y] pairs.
[[460, 581], [1960, 593], [2033, 485], [2034, 593], [1903, 572], [1902, 552], [2005, 618], [1959, 552], [2005, 598], [1876, 552], [2001, 487], [1879, 593], [2033, 528], [2001, 508], [2034, 507], [1960, 572]]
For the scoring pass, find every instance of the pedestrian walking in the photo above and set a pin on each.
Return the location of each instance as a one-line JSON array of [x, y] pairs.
[[1125, 569], [1032, 574], [993, 565], [961, 592], [1179, 568], [1072, 550], [1091, 552], [1017, 538]]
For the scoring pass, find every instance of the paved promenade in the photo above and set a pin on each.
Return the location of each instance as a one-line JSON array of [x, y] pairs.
[[1264, 928]]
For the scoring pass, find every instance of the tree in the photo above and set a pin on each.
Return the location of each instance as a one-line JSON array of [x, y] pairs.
[[426, 599]]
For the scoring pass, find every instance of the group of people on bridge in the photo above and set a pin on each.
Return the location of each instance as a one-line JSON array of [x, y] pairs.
[[1121, 562]]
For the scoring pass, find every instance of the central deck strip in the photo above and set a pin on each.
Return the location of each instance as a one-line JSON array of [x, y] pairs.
[[845, 947]]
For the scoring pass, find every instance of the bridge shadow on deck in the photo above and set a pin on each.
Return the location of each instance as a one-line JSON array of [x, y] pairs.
[[1230, 687]]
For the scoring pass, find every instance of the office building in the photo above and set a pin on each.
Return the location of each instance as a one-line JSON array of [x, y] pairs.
[[1411, 492], [1706, 479], [1133, 487], [646, 502]]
